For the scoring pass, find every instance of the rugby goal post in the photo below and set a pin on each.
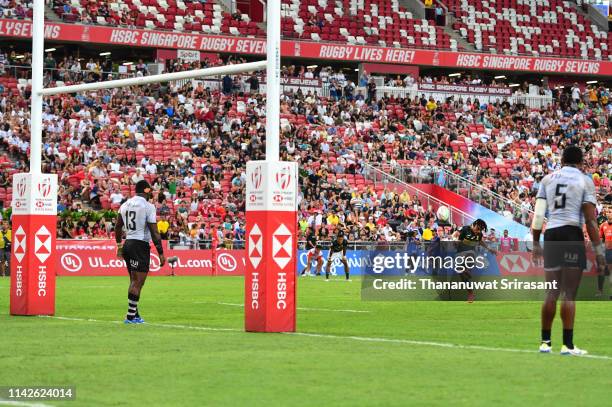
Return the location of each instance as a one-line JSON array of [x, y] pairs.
[[34, 204]]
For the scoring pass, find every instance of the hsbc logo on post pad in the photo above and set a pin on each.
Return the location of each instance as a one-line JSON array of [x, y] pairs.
[[21, 197], [256, 174], [45, 198]]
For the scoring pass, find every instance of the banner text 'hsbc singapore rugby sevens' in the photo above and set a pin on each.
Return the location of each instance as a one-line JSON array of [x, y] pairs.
[[305, 49]]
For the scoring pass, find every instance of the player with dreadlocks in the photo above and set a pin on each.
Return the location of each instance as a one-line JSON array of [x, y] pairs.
[[469, 238]]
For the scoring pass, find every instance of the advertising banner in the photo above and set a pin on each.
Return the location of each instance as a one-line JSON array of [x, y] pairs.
[[304, 49], [271, 215], [33, 270], [98, 258]]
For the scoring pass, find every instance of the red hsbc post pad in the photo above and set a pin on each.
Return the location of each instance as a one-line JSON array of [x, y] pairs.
[[33, 246], [271, 234]]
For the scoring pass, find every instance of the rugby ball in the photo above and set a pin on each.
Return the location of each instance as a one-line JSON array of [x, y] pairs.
[[443, 213]]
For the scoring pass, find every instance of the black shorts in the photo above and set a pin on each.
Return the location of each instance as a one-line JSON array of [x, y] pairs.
[[137, 255], [564, 248]]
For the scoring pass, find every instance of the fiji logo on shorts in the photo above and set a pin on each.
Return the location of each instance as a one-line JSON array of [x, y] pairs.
[[571, 257], [133, 263]]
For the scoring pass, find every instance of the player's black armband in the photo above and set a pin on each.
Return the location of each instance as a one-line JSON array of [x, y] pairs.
[[159, 247]]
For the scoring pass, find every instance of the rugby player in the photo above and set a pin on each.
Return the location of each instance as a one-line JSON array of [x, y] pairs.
[[568, 196], [338, 251], [605, 233], [137, 217], [470, 237]]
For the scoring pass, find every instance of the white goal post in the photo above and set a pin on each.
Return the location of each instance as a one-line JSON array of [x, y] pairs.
[[272, 65]]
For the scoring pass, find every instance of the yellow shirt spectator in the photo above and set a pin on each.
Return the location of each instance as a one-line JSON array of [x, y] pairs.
[[303, 225], [432, 105], [163, 226], [427, 234], [4, 234], [405, 197], [333, 219], [428, 3]]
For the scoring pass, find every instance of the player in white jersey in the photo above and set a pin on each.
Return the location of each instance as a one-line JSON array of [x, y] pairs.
[[567, 198], [137, 217]]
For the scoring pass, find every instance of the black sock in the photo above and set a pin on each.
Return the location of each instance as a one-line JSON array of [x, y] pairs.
[[132, 306], [546, 336], [568, 338], [326, 274], [600, 282], [347, 275]]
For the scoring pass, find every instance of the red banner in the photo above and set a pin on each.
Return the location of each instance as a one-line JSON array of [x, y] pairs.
[[33, 258], [304, 49], [98, 258]]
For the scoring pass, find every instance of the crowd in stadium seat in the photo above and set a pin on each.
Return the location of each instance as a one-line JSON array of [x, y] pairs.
[[540, 27], [192, 144], [361, 22], [202, 16]]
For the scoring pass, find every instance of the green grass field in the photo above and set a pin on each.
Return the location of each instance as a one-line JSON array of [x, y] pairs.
[[193, 351]]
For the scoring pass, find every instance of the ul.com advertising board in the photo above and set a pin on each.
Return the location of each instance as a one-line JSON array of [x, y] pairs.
[[271, 214], [32, 259]]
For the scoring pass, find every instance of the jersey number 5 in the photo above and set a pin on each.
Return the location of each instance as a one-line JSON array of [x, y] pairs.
[[131, 220], [560, 196]]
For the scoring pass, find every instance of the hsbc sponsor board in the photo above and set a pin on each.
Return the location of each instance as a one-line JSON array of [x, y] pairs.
[[305, 49], [34, 208], [35, 194], [271, 230], [271, 186]]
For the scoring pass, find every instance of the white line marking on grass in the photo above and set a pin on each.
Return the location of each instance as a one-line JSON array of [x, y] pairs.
[[352, 338], [22, 404], [299, 308]]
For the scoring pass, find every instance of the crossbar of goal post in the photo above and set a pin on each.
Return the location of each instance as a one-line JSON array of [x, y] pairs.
[[164, 77]]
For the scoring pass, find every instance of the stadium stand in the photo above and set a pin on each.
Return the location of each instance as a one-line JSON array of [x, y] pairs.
[[535, 27], [539, 27], [192, 143], [201, 17], [361, 22]]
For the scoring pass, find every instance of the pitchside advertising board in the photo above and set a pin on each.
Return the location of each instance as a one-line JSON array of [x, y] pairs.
[[271, 245], [99, 258], [32, 259]]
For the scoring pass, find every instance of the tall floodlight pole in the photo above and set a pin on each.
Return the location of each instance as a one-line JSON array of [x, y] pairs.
[[273, 44], [38, 55]]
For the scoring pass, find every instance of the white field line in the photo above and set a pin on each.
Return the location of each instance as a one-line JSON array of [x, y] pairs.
[[299, 308], [330, 336], [22, 404]]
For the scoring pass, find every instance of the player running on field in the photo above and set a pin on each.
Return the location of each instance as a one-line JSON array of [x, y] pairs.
[[338, 251], [605, 233], [568, 196], [469, 238], [137, 217]]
